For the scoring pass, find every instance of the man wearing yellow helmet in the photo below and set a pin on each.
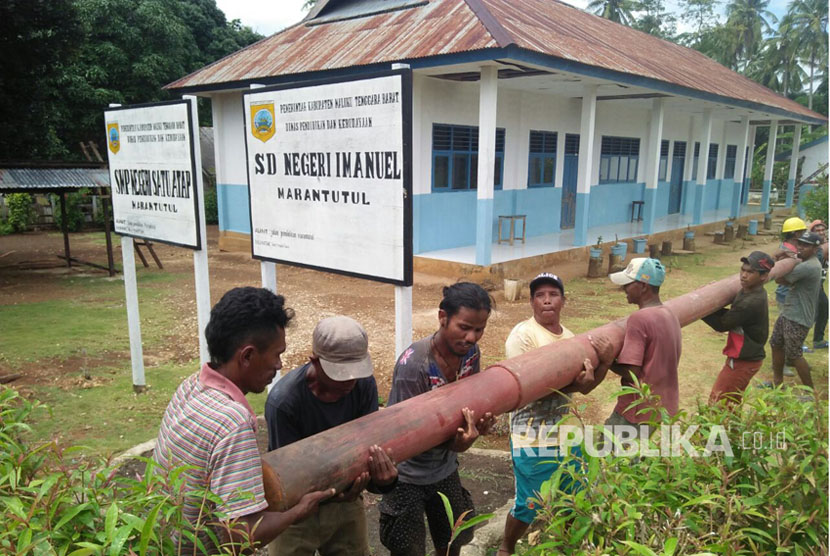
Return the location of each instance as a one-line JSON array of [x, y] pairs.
[[790, 231]]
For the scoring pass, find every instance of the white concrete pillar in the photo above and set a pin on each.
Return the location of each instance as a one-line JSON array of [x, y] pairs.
[[743, 141], [587, 130], [487, 106], [655, 139], [721, 165], [793, 165], [770, 162], [750, 160], [702, 162], [687, 190]]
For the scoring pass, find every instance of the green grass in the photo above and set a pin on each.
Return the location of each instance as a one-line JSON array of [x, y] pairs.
[[93, 319], [108, 417], [88, 318]]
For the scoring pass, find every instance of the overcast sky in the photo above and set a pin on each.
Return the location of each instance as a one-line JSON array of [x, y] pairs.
[[269, 16]]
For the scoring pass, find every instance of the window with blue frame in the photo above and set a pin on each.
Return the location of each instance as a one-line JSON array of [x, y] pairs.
[[455, 157], [729, 166], [694, 162], [664, 160], [619, 157], [541, 164], [712, 162]]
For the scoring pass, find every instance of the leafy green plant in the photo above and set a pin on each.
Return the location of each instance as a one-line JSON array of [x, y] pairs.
[[816, 201], [459, 525], [74, 214], [211, 206], [21, 211], [769, 495], [56, 502]]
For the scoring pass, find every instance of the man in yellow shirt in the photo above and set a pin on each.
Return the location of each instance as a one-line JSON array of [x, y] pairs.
[[533, 441]]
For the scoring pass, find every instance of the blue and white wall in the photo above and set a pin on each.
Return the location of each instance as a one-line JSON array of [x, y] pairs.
[[448, 219], [231, 173]]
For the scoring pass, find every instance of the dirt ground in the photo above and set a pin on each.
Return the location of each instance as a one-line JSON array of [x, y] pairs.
[[29, 269], [31, 272]]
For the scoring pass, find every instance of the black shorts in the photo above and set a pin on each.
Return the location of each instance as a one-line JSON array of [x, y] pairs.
[[402, 512], [789, 336]]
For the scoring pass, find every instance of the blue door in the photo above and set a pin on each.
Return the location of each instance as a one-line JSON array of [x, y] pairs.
[[676, 181], [569, 175]]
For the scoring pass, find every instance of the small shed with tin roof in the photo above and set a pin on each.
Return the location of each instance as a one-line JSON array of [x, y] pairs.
[[60, 179], [600, 129]]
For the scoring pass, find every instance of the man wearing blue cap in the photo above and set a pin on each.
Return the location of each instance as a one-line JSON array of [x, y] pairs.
[[651, 349]]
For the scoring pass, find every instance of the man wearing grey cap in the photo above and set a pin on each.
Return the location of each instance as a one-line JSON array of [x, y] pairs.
[[334, 387], [799, 311], [747, 321]]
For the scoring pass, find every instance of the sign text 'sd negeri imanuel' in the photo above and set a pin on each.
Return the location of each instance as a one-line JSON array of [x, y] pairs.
[[152, 172], [327, 176]]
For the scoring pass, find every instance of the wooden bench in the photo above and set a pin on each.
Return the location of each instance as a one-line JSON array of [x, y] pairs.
[[512, 218], [639, 206]]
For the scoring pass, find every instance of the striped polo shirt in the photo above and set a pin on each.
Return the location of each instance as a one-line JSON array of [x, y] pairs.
[[210, 425]]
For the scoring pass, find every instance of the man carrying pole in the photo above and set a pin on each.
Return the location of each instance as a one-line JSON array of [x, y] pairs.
[[534, 449], [449, 355], [798, 313], [210, 426], [747, 321], [651, 348], [336, 386]]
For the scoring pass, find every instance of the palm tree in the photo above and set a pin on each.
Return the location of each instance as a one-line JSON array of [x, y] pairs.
[[748, 21], [809, 21], [777, 65], [619, 11], [700, 15]]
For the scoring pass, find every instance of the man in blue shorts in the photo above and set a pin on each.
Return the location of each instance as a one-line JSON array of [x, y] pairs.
[[533, 441]]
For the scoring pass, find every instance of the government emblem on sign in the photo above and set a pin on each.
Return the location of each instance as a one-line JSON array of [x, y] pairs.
[[262, 120], [113, 137]]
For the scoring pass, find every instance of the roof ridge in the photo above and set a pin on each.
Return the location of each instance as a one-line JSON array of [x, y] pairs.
[[172, 85], [493, 26]]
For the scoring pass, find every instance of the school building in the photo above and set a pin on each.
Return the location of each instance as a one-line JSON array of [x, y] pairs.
[[521, 107]]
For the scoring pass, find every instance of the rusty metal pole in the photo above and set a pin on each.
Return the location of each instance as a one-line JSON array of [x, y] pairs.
[[335, 457]]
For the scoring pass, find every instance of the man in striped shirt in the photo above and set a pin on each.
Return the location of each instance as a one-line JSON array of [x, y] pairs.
[[210, 426]]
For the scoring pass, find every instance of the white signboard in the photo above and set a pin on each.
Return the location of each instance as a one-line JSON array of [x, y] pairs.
[[329, 175], [153, 172]]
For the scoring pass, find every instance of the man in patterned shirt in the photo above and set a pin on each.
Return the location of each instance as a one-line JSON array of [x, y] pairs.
[[448, 355], [210, 426]]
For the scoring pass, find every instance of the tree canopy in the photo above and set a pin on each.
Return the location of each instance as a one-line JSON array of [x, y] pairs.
[[67, 60], [64, 61]]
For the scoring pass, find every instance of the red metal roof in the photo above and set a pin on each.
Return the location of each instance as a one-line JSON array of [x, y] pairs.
[[440, 27], [567, 32], [451, 26]]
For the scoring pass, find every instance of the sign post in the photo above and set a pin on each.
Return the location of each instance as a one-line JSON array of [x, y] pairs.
[[200, 256], [330, 178], [155, 180]]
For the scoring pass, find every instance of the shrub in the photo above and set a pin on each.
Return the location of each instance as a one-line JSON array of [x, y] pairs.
[[769, 496], [56, 502], [21, 211], [816, 201], [74, 214], [211, 206]]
